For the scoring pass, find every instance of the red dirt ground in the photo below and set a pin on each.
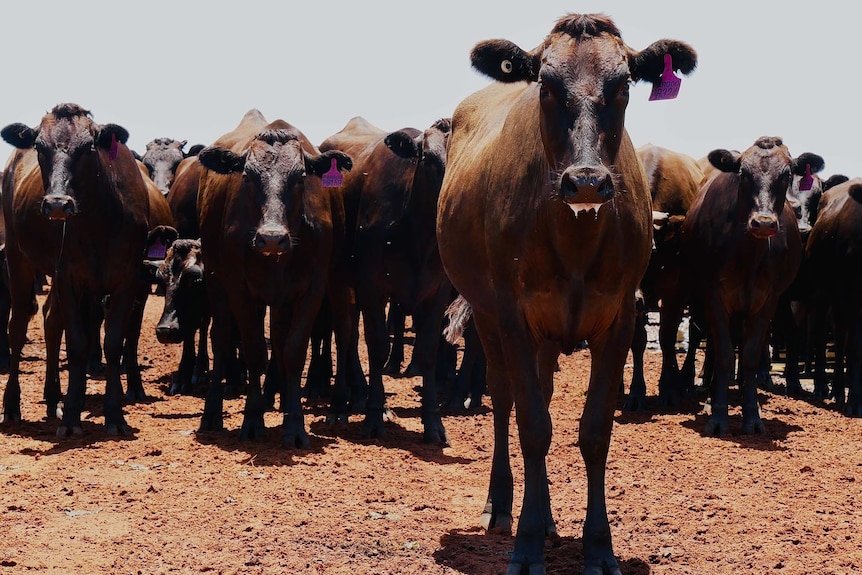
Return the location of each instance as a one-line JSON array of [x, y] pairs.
[[169, 500]]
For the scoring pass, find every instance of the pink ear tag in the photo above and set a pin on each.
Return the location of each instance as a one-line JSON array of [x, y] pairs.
[[668, 87], [806, 182], [333, 178], [115, 148], [157, 251]]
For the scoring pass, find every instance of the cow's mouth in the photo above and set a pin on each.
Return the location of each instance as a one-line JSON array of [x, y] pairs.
[[579, 208]]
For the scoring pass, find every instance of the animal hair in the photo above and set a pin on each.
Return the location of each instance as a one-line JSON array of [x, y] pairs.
[[273, 137], [61, 111], [769, 142], [443, 124], [578, 25]]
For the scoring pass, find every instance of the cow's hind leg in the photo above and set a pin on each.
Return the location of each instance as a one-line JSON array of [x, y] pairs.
[[117, 325]]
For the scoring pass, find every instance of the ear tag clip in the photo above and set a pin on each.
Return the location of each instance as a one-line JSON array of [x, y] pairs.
[[333, 178], [157, 251], [806, 182], [668, 86]]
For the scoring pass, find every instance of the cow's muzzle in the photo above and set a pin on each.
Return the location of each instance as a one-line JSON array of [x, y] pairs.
[[272, 241], [169, 332], [763, 226], [59, 207], [586, 185]]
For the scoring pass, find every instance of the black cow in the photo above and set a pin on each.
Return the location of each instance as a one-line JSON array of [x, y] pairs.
[[545, 228], [76, 208], [163, 157]]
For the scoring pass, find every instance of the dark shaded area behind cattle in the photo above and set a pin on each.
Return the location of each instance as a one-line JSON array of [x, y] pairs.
[[535, 234], [391, 251]]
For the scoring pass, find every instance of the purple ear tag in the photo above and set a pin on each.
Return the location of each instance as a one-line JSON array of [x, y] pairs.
[[333, 178], [668, 86], [157, 251], [115, 148], [807, 181]]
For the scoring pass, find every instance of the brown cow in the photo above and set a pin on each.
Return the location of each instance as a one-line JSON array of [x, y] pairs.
[[269, 234], [392, 251], [76, 209], [673, 180], [833, 258], [742, 249], [162, 159], [544, 226]]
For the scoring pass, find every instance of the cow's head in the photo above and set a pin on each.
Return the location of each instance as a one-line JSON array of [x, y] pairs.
[[65, 140], [582, 72], [162, 157], [765, 173], [275, 170], [182, 276]]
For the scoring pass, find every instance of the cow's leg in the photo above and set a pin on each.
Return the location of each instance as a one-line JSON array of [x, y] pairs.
[[497, 515], [342, 324], [117, 325], [77, 316], [636, 400], [395, 324], [52, 321], [318, 383], [250, 320], [549, 354], [428, 318], [842, 332], [754, 347], [792, 339], [223, 346], [202, 361], [819, 322], [134, 381], [470, 380], [5, 311], [720, 352], [21, 290], [695, 336], [669, 383], [853, 408], [609, 352], [377, 341], [182, 380], [534, 431]]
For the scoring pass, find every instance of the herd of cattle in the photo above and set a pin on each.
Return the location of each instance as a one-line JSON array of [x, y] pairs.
[[529, 207]]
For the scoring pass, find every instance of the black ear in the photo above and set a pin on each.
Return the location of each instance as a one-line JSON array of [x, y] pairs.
[[221, 160], [855, 192], [834, 180], [814, 162], [137, 156], [504, 61], [321, 164], [648, 64], [725, 160], [194, 150], [403, 145], [104, 133], [19, 135]]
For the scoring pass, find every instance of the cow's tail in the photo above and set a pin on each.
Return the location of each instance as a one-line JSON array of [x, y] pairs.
[[457, 315]]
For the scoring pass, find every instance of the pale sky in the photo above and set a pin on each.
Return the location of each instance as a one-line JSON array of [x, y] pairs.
[[190, 70]]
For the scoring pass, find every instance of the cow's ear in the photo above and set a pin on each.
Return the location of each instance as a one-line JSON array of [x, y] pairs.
[[103, 135], [505, 61], [648, 64], [725, 160], [855, 192], [403, 145], [807, 160], [194, 150], [321, 164], [19, 135], [221, 160], [834, 180]]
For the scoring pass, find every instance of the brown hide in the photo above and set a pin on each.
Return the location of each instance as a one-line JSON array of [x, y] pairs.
[[183, 198], [95, 251], [544, 226], [392, 256], [737, 273], [673, 178], [833, 258], [242, 280]]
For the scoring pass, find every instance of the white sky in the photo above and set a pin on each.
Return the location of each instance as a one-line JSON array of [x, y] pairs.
[[191, 69]]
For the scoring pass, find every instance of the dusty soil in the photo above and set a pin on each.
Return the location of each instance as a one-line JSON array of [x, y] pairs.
[[170, 500]]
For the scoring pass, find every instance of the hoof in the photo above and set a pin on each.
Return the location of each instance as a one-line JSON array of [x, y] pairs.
[[252, 429], [635, 403], [753, 426], [337, 419], [118, 429], [65, 431]]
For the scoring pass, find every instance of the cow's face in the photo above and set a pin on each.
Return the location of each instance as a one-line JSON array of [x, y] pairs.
[[65, 141], [275, 170], [765, 173], [582, 73], [182, 277], [162, 157], [429, 147]]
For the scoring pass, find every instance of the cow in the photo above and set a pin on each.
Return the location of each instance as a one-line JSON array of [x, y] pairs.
[[393, 252], [162, 159], [673, 180], [270, 232], [544, 226], [76, 209], [742, 248], [832, 257], [5, 298]]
